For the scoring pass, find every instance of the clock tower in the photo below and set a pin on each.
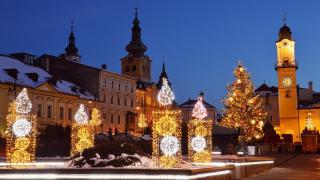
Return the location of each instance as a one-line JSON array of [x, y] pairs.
[[286, 67]]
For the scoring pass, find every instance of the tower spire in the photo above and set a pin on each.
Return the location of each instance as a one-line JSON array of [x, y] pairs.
[[163, 75], [136, 46], [71, 51]]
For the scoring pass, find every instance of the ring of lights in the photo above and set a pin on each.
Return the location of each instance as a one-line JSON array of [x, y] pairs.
[[198, 143], [169, 145], [21, 128]]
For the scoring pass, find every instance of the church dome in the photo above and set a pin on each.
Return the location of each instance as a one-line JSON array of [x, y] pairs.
[[284, 33]]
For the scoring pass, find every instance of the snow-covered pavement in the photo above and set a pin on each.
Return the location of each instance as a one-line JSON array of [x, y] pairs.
[[292, 167]]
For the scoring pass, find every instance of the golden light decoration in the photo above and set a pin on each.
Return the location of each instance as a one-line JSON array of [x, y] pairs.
[[199, 135], [244, 111], [203, 156], [21, 132], [82, 130], [201, 130], [199, 140], [142, 121], [168, 161], [166, 125], [166, 138]]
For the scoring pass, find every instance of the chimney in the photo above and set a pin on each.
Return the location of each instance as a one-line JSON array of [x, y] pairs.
[[310, 86], [104, 66]]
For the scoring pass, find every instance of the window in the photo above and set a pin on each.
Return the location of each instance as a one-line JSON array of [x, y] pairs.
[[125, 88], [69, 114], [111, 118], [118, 100], [118, 119], [119, 86], [125, 101], [104, 83], [49, 111], [132, 89], [104, 116], [131, 103], [90, 113], [127, 68], [39, 110], [134, 68], [267, 98], [61, 113], [143, 68], [111, 84], [111, 100]]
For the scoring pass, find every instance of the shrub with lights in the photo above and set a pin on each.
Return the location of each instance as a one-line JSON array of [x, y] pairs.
[[243, 109], [82, 132], [21, 131], [199, 134], [166, 136]]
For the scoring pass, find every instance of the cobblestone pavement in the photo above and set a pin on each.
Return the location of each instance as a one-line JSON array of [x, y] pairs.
[[292, 167]]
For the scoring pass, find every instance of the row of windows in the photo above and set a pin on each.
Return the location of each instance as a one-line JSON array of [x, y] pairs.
[[49, 111], [119, 102], [112, 119], [134, 68], [113, 85]]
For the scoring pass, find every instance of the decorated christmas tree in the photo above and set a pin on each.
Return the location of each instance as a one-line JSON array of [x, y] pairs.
[[243, 109], [142, 121]]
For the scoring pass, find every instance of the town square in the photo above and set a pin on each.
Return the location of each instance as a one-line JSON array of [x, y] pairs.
[[122, 89]]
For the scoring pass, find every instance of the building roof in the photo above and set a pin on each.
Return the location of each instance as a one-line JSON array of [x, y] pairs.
[[13, 71], [191, 102], [284, 33], [265, 87]]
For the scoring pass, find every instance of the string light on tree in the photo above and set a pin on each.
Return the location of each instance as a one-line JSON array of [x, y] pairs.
[[22, 127], [243, 109], [309, 123]]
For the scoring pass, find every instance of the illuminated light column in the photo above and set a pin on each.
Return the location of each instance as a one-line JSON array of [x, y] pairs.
[[199, 134], [21, 131], [82, 136], [166, 136]]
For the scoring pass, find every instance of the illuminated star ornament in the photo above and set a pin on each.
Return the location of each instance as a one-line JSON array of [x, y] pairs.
[[166, 148], [199, 134], [165, 96]]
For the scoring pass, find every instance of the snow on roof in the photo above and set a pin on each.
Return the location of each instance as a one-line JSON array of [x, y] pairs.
[[11, 64]]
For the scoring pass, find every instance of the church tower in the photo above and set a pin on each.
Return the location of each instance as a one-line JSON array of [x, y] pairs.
[[71, 51], [136, 63], [286, 67]]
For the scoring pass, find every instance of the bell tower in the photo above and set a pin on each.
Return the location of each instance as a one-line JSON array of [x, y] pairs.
[[286, 67], [136, 63]]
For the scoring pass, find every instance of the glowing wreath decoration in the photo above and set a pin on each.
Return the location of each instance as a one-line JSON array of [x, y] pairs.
[[169, 145], [198, 143], [21, 127]]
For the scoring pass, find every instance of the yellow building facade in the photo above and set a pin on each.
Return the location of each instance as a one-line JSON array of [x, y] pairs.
[[290, 108]]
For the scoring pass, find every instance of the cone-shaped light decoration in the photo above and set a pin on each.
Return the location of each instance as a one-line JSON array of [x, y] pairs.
[[81, 116], [23, 104], [199, 111], [165, 96]]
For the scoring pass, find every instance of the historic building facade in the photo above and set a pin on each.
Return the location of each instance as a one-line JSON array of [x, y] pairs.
[[114, 92], [55, 101], [290, 108]]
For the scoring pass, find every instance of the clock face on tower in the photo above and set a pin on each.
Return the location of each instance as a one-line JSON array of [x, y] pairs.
[[286, 81]]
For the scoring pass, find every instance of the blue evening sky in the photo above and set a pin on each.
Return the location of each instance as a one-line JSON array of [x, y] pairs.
[[201, 41]]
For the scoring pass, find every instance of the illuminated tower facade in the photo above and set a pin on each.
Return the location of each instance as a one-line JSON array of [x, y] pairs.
[[286, 67]]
